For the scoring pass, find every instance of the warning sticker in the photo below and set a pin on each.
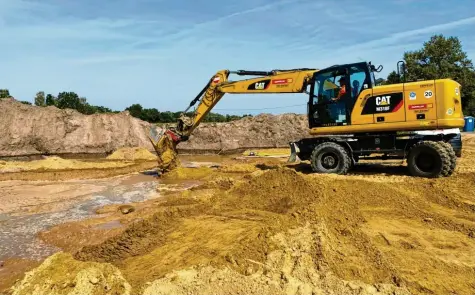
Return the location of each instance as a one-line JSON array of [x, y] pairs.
[[282, 81], [418, 106]]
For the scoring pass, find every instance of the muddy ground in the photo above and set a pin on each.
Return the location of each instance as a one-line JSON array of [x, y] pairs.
[[239, 225]]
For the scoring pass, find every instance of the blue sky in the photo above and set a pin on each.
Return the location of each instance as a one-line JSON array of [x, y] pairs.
[[161, 53]]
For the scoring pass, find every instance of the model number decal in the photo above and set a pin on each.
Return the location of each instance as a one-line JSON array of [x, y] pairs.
[[428, 93], [387, 103]]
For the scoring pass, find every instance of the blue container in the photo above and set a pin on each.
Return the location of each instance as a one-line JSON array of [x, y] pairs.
[[469, 124]]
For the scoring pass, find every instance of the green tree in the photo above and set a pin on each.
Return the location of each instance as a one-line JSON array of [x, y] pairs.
[[40, 99], [443, 57], [393, 78], [151, 115], [69, 100], [50, 100], [25, 102], [167, 117], [135, 110], [4, 93]]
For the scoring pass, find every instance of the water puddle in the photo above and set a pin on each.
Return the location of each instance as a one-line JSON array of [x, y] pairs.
[[18, 232]]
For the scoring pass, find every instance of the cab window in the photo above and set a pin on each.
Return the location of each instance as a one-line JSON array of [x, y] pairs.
[[325, 110], [358, 80]]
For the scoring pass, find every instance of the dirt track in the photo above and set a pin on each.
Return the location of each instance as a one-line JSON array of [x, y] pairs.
[[259, 226]]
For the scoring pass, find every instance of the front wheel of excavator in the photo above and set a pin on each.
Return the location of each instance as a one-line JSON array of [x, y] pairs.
[[330, 157]]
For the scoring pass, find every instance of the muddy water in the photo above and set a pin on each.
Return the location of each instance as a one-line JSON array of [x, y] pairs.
[[18, 231]]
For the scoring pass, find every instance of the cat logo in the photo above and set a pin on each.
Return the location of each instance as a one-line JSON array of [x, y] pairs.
[[260, 85], [383, 103], [383, 100]]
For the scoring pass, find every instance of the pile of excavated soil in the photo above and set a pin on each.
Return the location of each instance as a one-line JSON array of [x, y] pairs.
[[132, 154], [261, 131], [289, 270], [61, 274], [33, 130], [57, 163]]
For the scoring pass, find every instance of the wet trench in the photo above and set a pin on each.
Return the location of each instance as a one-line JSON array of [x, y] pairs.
[[18, 232]]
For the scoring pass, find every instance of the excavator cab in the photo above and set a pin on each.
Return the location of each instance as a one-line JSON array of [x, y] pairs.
[[334, 91]]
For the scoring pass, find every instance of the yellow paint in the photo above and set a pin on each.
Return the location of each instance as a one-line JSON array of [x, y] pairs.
[[435, 107]]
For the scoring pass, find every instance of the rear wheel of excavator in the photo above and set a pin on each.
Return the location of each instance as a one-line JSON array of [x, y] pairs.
[[429, 159], [330, 157], [452, 157]]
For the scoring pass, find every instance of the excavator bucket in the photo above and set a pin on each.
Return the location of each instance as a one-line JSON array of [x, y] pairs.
[[165, 148]]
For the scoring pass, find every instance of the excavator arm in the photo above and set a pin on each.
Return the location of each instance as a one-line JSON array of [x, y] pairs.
[[276, 81]]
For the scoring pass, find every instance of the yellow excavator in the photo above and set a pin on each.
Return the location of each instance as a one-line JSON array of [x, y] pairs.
[[349, 117]]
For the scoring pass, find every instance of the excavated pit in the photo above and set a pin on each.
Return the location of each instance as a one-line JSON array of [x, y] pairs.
[[352, 234]]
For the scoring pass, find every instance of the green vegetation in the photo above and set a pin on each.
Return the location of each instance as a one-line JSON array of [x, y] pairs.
[[440, 57]]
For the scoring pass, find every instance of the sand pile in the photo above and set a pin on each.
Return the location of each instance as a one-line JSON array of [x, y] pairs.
[[56, 163], [61, 274], [287, 271], [132, 154], [261, 131], [33, 130]]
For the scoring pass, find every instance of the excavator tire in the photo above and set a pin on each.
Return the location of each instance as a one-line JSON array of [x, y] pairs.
[[330, 157], [452, 157], [429, 159]]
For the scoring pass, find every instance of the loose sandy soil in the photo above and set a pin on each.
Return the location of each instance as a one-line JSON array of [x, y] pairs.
[[261, 226]]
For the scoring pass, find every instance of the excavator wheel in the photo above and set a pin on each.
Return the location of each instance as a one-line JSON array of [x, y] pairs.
[[330, 157], [429, 159], [452, 156]]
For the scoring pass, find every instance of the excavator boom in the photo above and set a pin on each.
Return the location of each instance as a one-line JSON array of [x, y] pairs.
[[276, 81]]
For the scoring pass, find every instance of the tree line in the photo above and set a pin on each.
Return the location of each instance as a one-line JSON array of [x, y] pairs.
[[71, 100], [440, 57]]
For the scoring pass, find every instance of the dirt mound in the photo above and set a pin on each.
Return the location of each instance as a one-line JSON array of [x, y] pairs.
[[132, 154], [289, 270], [33, 130], [278, 190], [261, 131], [141, 237], [61, 274]]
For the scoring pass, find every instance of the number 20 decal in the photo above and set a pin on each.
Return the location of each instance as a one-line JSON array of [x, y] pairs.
[[428, 94]]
